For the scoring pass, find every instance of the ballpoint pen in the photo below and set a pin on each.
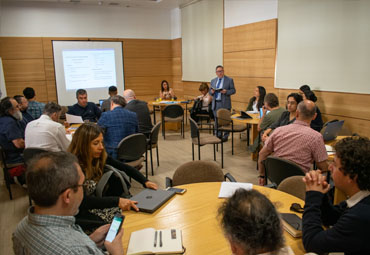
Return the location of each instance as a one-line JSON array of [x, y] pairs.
[[155, 239], [160, 239]]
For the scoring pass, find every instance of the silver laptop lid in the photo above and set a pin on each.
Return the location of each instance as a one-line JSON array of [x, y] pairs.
[[150, 200]]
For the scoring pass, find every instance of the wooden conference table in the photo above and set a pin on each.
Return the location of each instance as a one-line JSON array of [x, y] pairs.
[[195, 213], [253, 122]]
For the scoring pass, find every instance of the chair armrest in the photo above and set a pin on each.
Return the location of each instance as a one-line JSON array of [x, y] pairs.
[[271, 186], [230, 177], [168, 182]]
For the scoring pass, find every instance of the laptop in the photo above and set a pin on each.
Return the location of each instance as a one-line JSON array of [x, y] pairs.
[[332, 129], [261, 112], [244, 115], [150, 200]]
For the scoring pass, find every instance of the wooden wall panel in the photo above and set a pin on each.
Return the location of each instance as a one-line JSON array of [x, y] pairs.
[[176, 48], [21, 48], [148, 67], [49, 69], [256, 63], [259, 35], [146, 86], [51, 91], [16, 88], [24, 70], [140, 48]]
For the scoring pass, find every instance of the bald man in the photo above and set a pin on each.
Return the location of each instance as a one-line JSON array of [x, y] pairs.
[[296, 142], [141, 109]]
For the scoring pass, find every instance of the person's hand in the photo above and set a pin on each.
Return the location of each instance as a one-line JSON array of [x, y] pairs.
[[212, 90], [264, 137], [315, 181], [151, 185], [99, 234], [223, 91], [261, 181], [126, 204], [115, 247]]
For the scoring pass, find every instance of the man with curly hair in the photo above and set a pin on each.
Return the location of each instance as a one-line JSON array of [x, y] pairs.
[[252, 224], [350, 219]]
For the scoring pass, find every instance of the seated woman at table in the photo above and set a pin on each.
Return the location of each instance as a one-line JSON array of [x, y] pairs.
[[166, 93], [317, 123], [252, 225], [287, 117], [256, 102], [205, 99], [87, 146]]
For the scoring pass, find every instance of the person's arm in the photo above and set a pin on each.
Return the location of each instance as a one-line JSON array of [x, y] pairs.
[[323, 166], [160, 94], [129, 170], [62, 139], [250, 104], [232, 89], [93, 202], [266, 134], [19, 143], [102, 120]]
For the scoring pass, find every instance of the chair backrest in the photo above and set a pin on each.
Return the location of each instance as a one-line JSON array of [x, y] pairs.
[[197, 171], [3, 158], [223, 117], [154, 133], [294, 185], [278, 169], [173, 111], [132, 147], [194, 129], [29, 153]]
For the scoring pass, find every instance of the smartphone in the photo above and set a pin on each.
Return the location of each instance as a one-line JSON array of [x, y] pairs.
[[177, 190], [115, 227]]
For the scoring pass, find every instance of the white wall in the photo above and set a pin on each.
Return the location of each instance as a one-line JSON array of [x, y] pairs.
[[175, 23], [60, 20], [241, 12]]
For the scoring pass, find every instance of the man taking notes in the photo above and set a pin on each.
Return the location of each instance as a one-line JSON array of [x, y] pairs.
[[349, 219], [87, 110], [222, 87]]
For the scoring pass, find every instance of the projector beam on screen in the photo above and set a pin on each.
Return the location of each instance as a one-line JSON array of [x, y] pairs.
[[90, 65]]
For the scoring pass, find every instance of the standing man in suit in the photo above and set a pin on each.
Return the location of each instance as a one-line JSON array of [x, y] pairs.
[[221, 98], [141, 109]]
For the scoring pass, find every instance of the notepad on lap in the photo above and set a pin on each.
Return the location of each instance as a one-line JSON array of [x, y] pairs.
[[147, 241]]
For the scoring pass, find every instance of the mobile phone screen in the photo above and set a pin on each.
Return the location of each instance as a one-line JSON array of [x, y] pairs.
[[114, 227], [177, 190]]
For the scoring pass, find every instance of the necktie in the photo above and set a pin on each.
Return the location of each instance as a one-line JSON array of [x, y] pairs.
[[218, 86]]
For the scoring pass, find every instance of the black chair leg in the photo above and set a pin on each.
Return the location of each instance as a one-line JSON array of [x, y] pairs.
[[214, 152], [232, 143], [198, 152], [157, 150], [192, 150], [151, 159], [248, 128], [146, 164], [222, 155]]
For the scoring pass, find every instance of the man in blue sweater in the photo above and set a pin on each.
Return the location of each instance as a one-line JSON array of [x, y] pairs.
[[349, 219], [87, 110]]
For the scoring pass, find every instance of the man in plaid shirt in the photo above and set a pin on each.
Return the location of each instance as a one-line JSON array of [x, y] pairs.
[[34, 108], [118, 123]]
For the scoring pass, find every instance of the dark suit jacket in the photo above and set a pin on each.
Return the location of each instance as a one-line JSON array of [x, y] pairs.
[[143, 115], [225, 98]]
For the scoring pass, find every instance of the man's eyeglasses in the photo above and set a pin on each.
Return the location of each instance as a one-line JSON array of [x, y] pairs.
[[73, 187]]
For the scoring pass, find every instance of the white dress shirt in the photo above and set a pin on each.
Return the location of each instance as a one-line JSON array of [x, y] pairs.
[[46, 134]]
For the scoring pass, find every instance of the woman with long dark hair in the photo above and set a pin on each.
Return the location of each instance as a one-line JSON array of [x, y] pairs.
[[256, 102], [166, 93]]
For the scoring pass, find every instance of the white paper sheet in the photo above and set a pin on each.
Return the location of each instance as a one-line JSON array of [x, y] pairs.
[[73, 119], [228, 188]]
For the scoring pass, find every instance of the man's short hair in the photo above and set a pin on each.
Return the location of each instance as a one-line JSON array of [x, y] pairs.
[[272, 100], [29, 93], [305, 112], [5, 106], [112, 89], [353, 153], [80, 92], [49, 174], [18, 98], [51, 108], [251, 220], [117, 99], [219, 67]]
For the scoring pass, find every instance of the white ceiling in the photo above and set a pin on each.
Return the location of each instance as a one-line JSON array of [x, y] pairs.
[[161, 4]]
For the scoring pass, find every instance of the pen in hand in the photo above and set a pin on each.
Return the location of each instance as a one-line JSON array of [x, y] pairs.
[[160, 239], [155, 239]]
